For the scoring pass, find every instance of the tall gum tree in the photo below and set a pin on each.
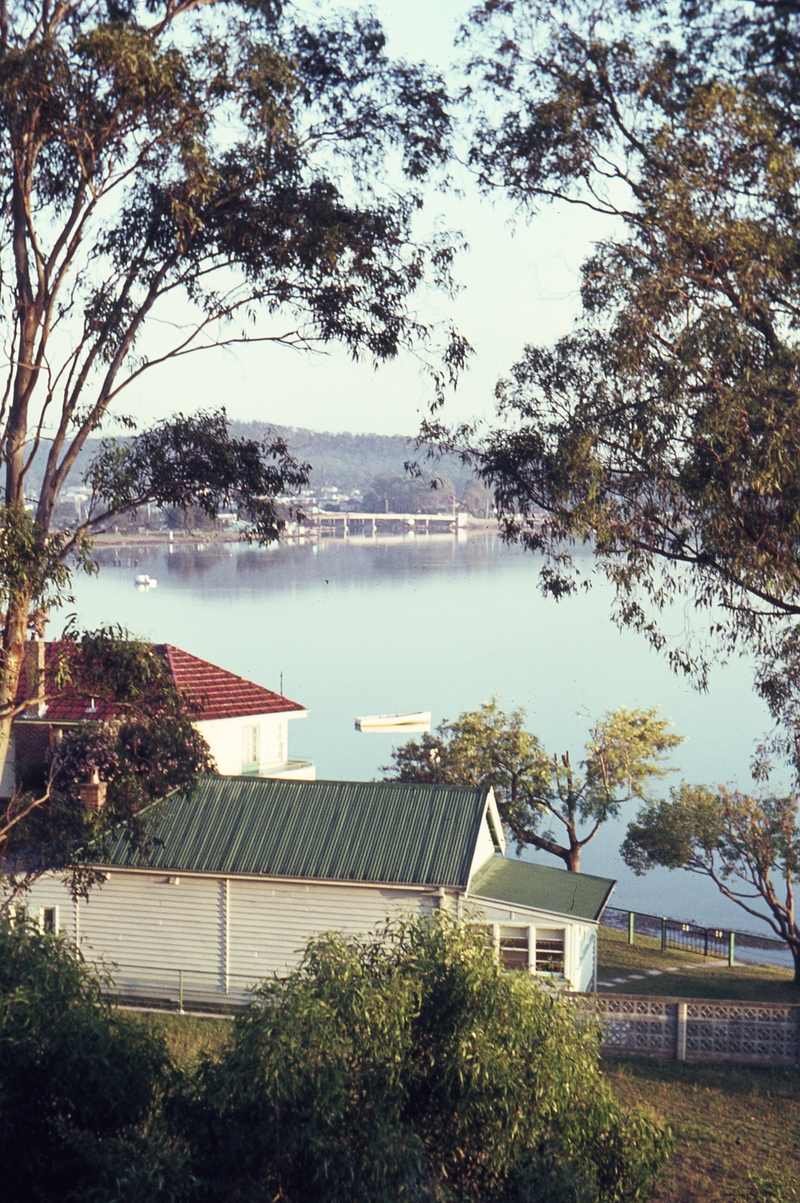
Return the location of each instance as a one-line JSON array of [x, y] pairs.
[[544, 799], [748, 845], [228, 169], [664, 430]]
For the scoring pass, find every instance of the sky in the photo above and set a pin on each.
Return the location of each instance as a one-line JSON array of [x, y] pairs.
[[519, 283]]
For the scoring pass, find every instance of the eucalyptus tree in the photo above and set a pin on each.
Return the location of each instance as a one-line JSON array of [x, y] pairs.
[[179, 176], [144, 746], [664, 430], [408, 1065], [545, 801], [748, 845]]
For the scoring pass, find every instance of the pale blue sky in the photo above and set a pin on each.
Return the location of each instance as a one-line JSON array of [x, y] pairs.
[[519, 285]]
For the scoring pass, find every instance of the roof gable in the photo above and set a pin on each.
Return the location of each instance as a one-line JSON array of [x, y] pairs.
[[542, 888], [221, 694], [217, 692], [382, 832]]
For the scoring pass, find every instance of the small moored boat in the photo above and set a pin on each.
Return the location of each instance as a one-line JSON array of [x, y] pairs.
[[418, 720]]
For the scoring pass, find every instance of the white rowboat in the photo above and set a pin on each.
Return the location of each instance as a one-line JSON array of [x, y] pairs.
[[419, 720]]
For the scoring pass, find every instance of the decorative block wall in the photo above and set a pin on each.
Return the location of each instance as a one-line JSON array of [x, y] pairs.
[[698, 1029]]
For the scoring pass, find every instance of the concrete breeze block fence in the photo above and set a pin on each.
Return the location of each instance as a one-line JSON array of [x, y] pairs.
[[691, 1029]]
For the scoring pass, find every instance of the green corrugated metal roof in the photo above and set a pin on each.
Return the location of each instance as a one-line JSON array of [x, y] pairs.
[[523, 883], [330, 830]]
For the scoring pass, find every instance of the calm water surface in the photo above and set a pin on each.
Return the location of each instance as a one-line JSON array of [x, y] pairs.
[[440, 625]]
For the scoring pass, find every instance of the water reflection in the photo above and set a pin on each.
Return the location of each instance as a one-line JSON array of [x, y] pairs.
[[293, 565]]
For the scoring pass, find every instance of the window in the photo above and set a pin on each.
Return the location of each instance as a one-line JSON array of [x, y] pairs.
[[514, 948], [250, 749], [50, 920], [549, 950]]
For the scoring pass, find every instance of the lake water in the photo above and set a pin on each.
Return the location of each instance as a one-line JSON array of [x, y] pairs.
[[432, 624]]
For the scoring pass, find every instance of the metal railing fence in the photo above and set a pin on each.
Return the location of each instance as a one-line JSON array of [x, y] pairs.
[[177, 989], [717, 942]]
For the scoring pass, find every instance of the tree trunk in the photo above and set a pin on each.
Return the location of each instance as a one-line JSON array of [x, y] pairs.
[[573, 859], [12, 666], [795, 951]]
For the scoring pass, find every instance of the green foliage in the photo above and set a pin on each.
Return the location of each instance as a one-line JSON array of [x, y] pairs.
[[150, 748], [769, 1188], [181, 177], [394, 494], [749, 847], [411, 1067], [194, 464], [665, 430], [483, 747], [351, 461], [402, 1066], [477, 499], [80, 1083]]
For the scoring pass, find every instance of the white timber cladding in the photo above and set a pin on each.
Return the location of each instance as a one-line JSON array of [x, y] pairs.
[[252, 744], [219, 931], [271, 921], [580, 935], [223, 933]]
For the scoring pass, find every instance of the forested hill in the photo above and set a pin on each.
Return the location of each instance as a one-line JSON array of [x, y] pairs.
[[352, 461]]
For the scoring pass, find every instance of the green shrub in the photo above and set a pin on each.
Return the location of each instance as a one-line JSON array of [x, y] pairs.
[[409, 1066], [80, 1084]]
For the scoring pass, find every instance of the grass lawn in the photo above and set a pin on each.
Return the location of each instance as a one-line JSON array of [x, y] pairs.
[[745, 983], [188, 1037], [737, 1129]]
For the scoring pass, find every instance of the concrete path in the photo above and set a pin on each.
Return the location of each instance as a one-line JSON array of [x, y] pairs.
[[640, 977]]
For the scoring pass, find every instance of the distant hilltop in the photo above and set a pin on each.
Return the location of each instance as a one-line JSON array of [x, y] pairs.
[[350, 462], [357, 470]]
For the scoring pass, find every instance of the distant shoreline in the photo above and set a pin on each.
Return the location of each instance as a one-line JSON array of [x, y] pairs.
[[185, 538]]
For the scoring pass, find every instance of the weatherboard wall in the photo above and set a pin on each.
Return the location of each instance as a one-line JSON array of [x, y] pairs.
[[223, 933], [220, 932], [270, 923]]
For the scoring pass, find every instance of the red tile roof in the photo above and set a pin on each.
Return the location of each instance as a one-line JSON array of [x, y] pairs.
[[221, 694], [217, 692]]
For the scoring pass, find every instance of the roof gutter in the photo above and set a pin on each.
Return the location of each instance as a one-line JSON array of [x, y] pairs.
[[432, 888]]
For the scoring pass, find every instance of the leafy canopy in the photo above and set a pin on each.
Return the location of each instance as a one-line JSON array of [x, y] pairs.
[[149, 748], [80, 1083], [664, 431], [749, 846], [181, 177], [624, 754], [392, 493], [409, 1066]]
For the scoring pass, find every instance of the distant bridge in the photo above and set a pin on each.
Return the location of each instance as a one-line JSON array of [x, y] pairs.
[[370, 525]]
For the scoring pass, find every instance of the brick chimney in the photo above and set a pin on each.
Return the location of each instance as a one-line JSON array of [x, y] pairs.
[[93, 793], [34, 678]]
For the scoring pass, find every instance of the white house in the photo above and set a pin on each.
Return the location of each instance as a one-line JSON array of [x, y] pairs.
[[245, 725], [241, 875]]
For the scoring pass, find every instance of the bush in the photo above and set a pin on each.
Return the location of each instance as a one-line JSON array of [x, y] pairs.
[[80, 1084], [409, 1066]]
